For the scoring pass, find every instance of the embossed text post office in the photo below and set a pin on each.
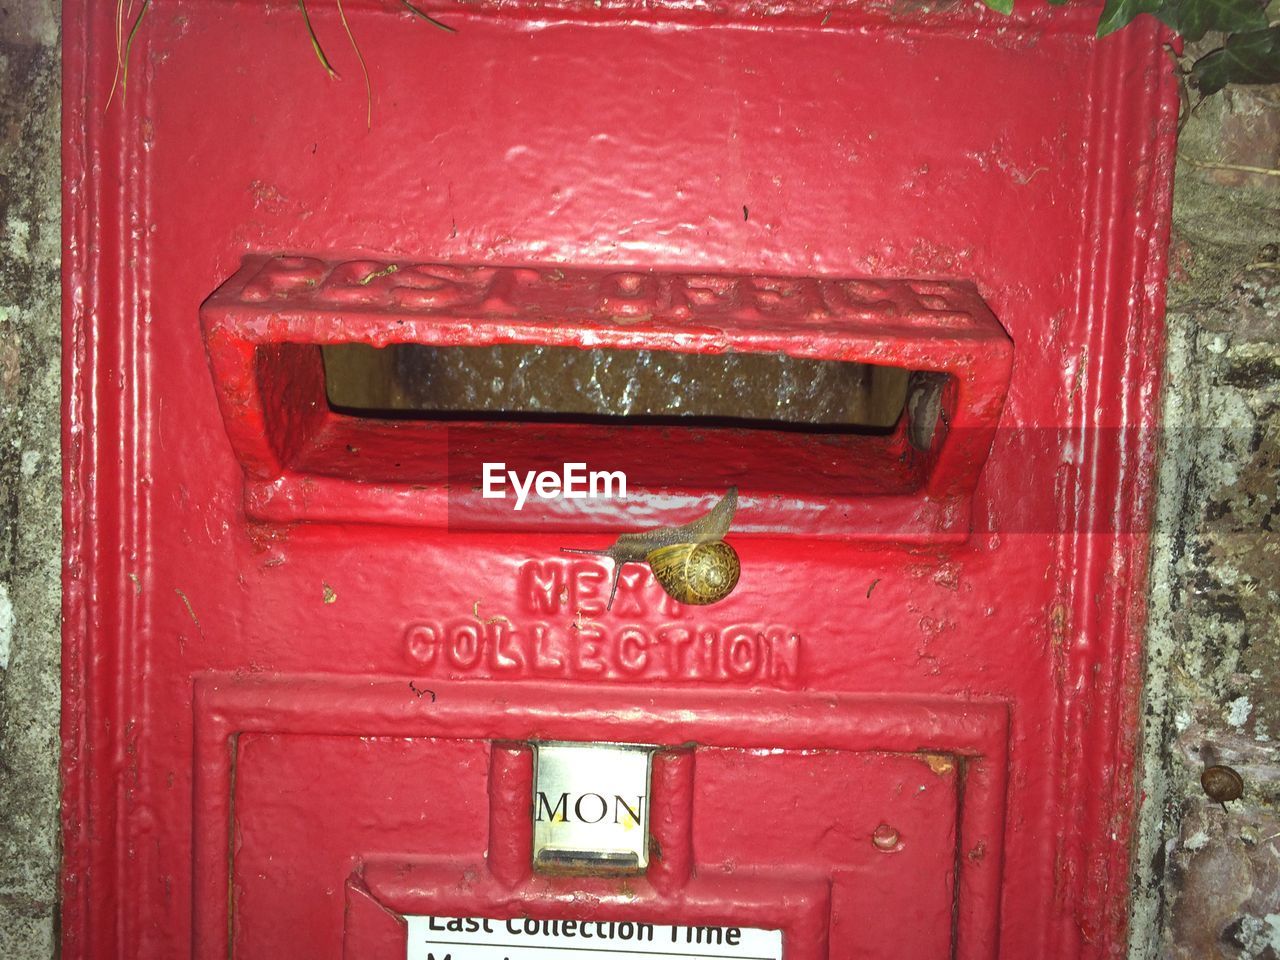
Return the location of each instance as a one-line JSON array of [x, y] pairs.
[[862, 300]]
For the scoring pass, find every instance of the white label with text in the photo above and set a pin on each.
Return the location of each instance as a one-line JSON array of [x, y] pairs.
[[479, 938], [573, 482]]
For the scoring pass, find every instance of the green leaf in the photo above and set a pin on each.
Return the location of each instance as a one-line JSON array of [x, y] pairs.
[[1252, 57], [1194, 18], [1209, 73], [1118, 13]]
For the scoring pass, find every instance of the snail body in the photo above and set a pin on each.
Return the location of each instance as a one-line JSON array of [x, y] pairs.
[[691, 562]]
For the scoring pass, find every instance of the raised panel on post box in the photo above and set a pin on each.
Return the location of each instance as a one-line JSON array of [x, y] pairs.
[[859, 827], [296, 843]]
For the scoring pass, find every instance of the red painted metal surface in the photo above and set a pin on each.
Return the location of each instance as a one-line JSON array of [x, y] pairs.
[[298, 691], [829, 767]]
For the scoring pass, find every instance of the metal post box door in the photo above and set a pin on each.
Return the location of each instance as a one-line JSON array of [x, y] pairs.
[[333, 688]]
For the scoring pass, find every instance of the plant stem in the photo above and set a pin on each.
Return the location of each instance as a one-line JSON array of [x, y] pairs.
[[315, 41], [368, 87], [1216, 165]]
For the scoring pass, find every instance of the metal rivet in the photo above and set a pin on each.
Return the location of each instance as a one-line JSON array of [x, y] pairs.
[[885, 837]]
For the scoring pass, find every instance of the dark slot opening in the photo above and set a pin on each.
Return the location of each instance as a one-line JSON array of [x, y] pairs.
[[587, 860], [564, 384]]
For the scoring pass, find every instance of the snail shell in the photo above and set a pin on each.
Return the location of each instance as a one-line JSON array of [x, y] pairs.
[[691, 562], [1222, 783], [696, 573]]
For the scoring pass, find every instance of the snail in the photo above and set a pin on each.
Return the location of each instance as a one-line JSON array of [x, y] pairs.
[[1222, 784], [691, 562]]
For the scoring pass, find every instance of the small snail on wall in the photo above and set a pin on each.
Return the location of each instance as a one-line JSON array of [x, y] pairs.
[[1222, 784], [691, 562]]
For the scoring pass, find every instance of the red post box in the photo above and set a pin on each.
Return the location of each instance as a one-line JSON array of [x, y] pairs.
[[333, 689]]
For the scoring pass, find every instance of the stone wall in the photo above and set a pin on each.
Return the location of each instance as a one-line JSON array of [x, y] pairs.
[[1207, 881], [30, 491]]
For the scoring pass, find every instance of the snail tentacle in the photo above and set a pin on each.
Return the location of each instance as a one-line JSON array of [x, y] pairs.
[[611, 553]]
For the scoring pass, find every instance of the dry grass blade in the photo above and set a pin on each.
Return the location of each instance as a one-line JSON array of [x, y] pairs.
[[1238, 167], [368, 87], [315, 41], [120, 14], [122, 50], [119, 48], [431, 20]]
